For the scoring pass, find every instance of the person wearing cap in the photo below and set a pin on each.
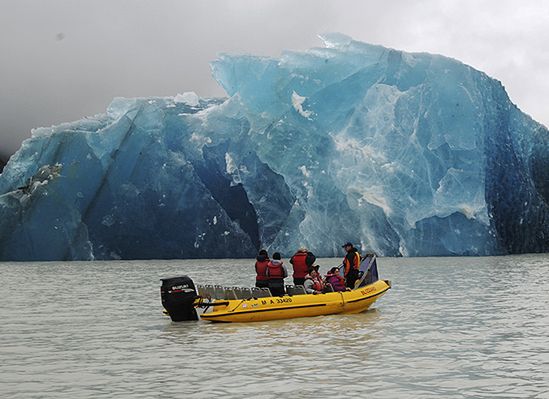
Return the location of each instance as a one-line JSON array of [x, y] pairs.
[[302, 261], [351, 262]]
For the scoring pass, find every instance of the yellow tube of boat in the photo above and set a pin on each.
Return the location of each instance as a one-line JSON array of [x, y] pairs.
[[287, 307]]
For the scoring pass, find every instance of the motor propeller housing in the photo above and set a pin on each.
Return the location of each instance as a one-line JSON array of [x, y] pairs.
[[178, 296]]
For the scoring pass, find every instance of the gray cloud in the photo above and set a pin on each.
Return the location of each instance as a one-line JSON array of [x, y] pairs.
[[63, 60]]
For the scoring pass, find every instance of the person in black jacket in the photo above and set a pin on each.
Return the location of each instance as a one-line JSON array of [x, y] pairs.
[[351, 263]]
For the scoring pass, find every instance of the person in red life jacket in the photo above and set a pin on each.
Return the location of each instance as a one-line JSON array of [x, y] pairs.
[[317, 279], [335, 280], [313, 282], [302, 261], [276, 272], [351, 261], [261, 262]]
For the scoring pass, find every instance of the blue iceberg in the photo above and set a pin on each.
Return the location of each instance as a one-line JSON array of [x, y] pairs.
[[404, 154]]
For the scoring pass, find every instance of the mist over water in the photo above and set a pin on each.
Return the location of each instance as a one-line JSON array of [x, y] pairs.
[[449, 327]]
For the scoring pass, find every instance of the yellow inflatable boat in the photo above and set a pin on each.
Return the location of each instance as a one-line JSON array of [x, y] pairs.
[[181, 299], [301, 305]]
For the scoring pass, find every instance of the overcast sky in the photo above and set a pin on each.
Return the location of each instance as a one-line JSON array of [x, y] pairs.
[[65, 59]]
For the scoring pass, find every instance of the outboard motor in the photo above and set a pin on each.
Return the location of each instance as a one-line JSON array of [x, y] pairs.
[[178, 295]]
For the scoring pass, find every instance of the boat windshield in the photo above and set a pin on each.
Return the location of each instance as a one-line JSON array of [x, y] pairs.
[[369, 270]]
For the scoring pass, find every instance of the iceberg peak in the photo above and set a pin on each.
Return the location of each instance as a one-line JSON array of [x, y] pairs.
[[335, 40]]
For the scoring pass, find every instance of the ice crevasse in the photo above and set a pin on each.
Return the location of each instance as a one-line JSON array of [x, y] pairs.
[[407, 154]]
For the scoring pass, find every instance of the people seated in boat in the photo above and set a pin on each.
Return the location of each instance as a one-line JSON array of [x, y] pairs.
[[335, 280], [301, 261], [351, 262], [317, 278], [276, 273], [313, 281], [261, 262]]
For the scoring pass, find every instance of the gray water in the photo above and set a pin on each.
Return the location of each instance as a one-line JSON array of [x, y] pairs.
[[449, 328]]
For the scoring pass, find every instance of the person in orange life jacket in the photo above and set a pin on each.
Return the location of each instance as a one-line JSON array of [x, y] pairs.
[[351, 261], [261, 262], [313, 282], [276, 272], [335, 280], [302, 261]]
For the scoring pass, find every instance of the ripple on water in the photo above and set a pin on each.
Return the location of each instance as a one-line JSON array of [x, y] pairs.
[[450, 327]]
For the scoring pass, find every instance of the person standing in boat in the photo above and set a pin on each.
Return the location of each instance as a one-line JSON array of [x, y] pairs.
[[351, 263], [276, 272], [302, 261], [261, 262]]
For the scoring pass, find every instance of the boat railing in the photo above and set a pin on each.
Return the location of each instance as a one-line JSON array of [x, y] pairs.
[[219, 292], [328, 288], [231, 293], [206, 291], [243, 293], [261, 292], [295, 290]]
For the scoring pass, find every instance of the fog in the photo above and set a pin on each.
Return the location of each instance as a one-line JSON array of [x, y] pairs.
[[63, 59]]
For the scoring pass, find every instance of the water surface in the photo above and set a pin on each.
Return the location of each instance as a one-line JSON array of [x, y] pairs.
[[450, 327]]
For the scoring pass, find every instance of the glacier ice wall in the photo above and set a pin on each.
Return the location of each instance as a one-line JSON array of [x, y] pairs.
[[404, 154]]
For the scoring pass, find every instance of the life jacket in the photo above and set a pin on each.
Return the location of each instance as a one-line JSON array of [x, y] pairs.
[[336, 281], [356, 261], [261, 269], [275, 269], [318, 284], [300, 265]]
